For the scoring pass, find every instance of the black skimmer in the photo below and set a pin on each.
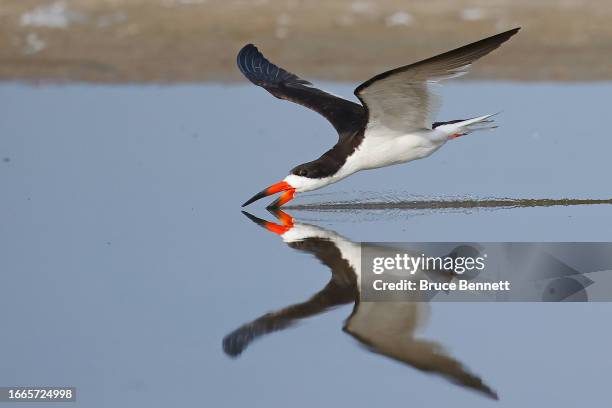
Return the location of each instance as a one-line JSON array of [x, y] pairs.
[[393, 125], [387, 328]]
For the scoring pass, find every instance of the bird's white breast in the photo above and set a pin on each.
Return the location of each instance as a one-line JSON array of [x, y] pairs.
[[384, 147], [380, 147]]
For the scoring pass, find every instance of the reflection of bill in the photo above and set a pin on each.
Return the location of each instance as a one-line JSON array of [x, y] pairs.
[[385, 328]]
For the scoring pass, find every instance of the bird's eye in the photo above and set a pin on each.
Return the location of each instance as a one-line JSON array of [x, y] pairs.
[[303, 173]]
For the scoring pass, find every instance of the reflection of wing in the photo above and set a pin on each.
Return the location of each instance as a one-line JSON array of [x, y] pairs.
[[388, 328], [400, 100], [341, 289], [329, 254], [347, 117]]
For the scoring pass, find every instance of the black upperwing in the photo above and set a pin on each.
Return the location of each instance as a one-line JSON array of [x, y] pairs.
[[345, 116], [445, 65]]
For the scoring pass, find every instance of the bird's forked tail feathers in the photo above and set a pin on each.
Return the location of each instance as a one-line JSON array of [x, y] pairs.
[[461, 127]]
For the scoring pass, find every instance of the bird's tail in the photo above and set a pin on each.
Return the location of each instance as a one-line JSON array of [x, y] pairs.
[[461, 127]]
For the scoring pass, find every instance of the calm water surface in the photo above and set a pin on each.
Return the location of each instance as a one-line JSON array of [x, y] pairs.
[[127, 261]]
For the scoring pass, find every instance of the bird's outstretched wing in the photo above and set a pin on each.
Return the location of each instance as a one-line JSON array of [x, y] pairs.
[[400, 99], [345, 116], [388, 328]]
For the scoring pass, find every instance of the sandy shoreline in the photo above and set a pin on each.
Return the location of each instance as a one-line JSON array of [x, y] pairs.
[[197, 40]]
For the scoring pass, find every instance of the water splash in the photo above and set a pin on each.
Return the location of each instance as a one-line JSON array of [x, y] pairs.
[[399, 203]]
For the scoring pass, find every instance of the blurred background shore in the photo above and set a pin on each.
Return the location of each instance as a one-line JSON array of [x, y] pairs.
[[349, 40]]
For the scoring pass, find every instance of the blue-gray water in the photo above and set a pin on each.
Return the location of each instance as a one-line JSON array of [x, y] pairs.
[[126, 259]]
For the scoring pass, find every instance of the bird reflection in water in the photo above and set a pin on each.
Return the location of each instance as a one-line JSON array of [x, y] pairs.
[[386, 328]]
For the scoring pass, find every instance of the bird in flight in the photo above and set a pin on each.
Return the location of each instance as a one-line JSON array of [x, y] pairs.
[[392, 125]]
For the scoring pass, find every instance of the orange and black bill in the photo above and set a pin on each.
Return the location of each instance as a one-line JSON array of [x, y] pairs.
[[285, 225], [289, 193]]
